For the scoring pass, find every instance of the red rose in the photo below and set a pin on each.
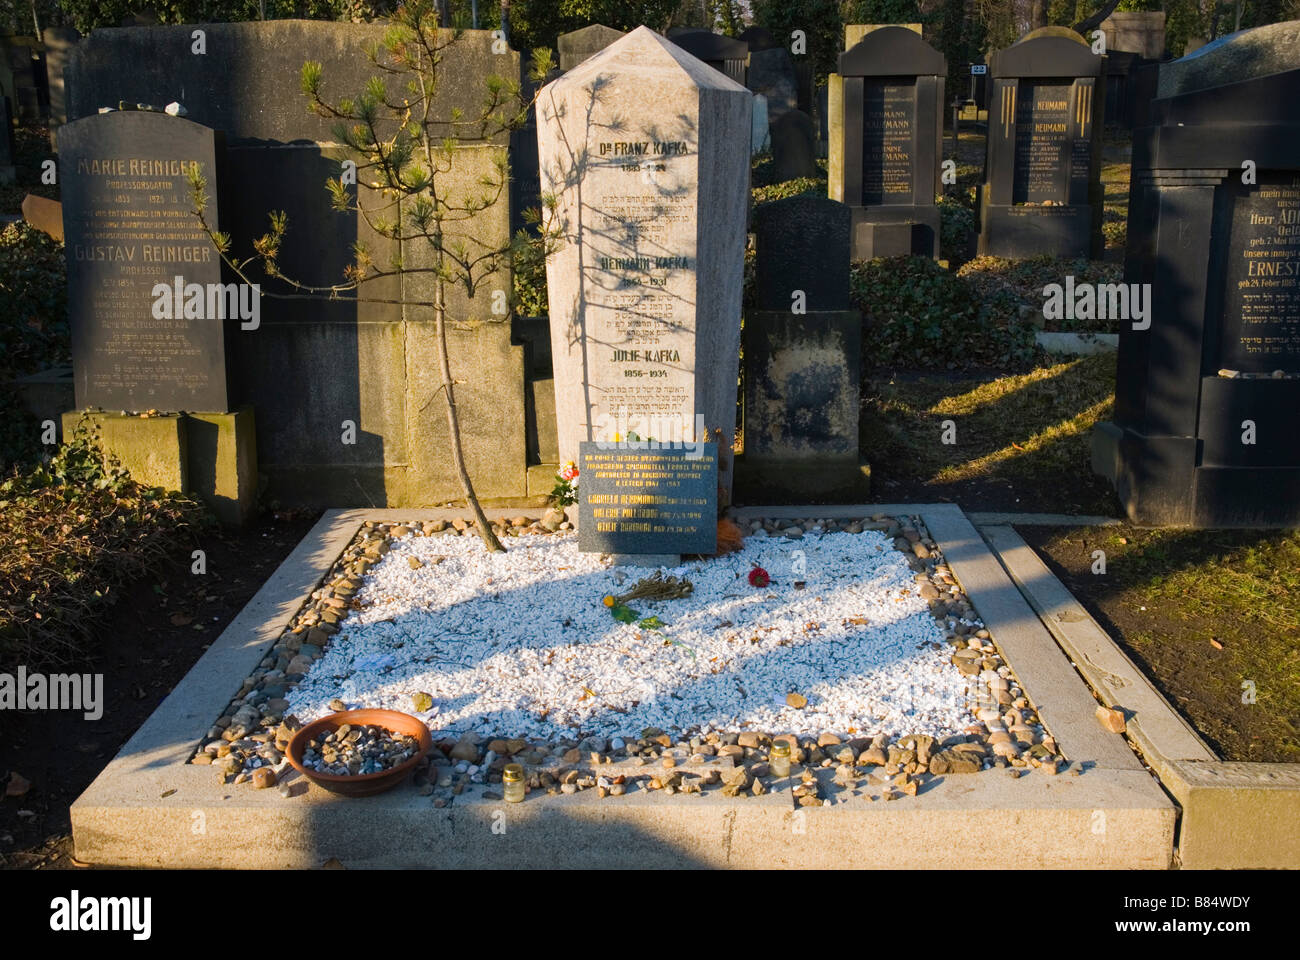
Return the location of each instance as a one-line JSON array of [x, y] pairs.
[[758, 577]]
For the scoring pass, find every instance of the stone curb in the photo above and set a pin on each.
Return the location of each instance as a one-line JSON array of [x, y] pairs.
[[150, 808], [1233, 814]]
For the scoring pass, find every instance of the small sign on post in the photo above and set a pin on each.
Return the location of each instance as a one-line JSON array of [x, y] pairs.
[[979, 69]]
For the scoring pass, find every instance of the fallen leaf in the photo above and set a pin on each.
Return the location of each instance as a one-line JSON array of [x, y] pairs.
[[18, 785], [181, 619], [1215, 644], [796, 700]]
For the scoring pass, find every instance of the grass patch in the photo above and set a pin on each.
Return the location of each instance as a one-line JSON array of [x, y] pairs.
[[1021, 440], [1211, 616]]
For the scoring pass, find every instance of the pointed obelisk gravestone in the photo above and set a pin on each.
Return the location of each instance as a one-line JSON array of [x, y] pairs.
[[646, 150]]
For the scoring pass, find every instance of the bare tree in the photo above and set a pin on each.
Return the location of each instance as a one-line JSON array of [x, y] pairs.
[[404, 150]]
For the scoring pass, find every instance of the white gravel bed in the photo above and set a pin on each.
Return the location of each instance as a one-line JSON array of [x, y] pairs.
[[520, 644]]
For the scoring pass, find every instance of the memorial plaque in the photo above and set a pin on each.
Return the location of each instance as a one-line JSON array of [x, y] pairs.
[[1261, 315], [888, 127], [129, 226], [646, 149], [1044, 146], [636, 499]]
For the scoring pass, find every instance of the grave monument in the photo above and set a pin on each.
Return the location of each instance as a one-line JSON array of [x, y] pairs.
[[802, 347], [646, 149], [886, 131], [152, 321], [1042, 174], [1208, 382]]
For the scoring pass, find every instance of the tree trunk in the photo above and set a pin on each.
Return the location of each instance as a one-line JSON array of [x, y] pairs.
[[453, 423], [1086, 27], [1037, 14]]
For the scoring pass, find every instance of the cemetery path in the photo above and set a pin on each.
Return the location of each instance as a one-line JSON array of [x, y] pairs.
[[149, 641]]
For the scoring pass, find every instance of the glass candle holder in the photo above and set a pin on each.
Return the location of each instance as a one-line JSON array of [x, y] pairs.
[[779, 759], [512, 782]]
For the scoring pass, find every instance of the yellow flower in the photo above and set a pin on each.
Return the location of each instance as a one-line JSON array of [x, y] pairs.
[[609, 600]]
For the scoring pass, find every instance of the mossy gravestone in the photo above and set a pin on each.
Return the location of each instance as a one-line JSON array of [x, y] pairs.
[[802, 359], [1208, 382], [646, 149]]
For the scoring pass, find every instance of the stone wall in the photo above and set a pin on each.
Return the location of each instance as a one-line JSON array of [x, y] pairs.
[[312, 364]]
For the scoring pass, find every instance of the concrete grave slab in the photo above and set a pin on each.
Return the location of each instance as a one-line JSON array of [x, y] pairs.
[[150, 807]]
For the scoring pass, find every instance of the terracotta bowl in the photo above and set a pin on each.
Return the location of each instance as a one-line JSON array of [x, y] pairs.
[[363, 784]]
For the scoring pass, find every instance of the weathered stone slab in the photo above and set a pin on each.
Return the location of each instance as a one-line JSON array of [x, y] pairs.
[[59, 44], [802, 251], [247, 84], [44, 214], [794, 147], [771, 73], [578, 45]]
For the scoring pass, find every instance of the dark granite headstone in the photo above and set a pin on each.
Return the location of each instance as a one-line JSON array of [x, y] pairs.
[[886, 135], [28, 87], [771, 73], [578, 45], [1208, 383], [647, 501], [802, 243], [802, 350], [724, 54], [7, 171], [1042, 191], [794, 147], [758, 38], [128, 226]]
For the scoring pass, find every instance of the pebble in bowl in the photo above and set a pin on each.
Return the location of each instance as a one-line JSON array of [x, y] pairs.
[[359, 753]]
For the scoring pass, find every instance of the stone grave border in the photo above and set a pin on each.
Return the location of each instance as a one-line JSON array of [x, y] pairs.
[[150, 808], [1233, 814]]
